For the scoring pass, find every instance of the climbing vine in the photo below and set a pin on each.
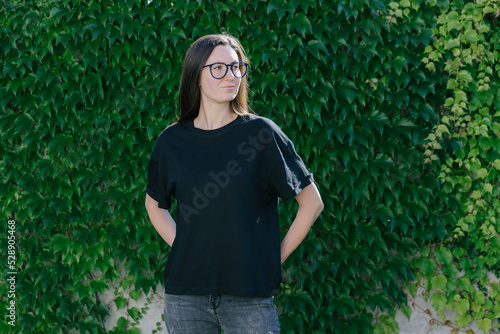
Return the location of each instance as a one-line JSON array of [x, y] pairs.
[[87, 86], [461, 273]]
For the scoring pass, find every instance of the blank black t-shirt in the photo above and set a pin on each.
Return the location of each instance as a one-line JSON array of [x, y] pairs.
[[227, 183]]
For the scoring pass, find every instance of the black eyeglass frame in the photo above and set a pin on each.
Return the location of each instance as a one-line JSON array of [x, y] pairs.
[[227, 67]]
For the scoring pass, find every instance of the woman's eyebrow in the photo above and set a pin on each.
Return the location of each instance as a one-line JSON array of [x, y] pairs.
[[221, 62]]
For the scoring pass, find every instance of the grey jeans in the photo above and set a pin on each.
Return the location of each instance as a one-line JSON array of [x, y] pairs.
[[211, 313]]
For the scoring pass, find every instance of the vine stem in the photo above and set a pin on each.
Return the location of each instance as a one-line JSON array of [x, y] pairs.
[[428, 312]]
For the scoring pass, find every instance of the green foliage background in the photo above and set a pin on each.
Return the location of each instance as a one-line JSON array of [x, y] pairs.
[[85, 88]]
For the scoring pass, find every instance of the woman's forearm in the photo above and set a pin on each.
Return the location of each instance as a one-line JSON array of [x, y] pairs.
[[310, 206], [161, 220]]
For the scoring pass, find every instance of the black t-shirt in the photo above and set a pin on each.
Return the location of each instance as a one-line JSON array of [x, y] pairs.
[[227, 183]]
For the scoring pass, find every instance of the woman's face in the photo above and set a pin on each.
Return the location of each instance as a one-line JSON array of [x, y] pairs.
[[219, 90]]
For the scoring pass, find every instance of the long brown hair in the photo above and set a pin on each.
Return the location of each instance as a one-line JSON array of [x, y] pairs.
[[196, 57]]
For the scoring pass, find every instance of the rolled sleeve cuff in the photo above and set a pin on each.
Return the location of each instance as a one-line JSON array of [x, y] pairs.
[[304, 182], [162, 203]]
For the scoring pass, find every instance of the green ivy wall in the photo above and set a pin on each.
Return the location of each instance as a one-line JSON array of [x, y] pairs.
[[86, 87]]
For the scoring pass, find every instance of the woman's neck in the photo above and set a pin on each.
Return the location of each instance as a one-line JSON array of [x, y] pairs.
[[214, 118]]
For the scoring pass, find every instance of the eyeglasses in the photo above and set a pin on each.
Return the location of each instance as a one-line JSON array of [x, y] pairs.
[[219, 70]]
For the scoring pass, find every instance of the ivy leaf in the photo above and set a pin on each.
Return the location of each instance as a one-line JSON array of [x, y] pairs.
[[345, 304], [479, 297], [177, 33], [300, 23], [399, 63], [463, 320], [315, 46], [438, 301], [406, 311], [484, 324], [471, 36], [444, 255], [451, 44], [491, 260], [271, 80], [134, 313], [454, 24], [122, 323], [482, 173], [60, 242], [465, 76], [280, 7], [120, 302], [404, 123], [428, 266], [439, 282], [299, 322], [135, 294], [458, 252], [461, 306], [496, 164]]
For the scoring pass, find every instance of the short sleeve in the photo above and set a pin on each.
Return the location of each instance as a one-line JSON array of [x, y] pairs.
[[158, 186], [289, 174]]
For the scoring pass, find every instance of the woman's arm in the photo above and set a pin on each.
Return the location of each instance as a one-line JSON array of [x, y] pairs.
[[310, 206], [161, 219]]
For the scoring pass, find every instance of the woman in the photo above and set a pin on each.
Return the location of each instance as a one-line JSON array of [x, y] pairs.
[[226, 168]]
